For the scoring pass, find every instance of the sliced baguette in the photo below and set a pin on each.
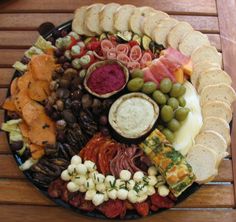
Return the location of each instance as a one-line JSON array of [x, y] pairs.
[[92, 18], [78, 24], [161, 31], [191, 41], [106, 17], [206, 53], [203, 161], [177, 33], [217, 109], [122, 17], [199, 68], [219, 92], [219, 125], [211, 77], [151, 21], [212, 140]]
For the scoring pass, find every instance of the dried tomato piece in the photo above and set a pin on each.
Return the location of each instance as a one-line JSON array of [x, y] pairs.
[[161, 202], [76, 200], [55, 188], [142, 208]]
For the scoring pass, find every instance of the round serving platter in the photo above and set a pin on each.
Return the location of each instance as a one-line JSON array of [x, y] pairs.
[[19, 160]]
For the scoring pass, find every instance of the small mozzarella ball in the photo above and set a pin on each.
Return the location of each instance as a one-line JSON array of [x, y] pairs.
[[82, 188], [81, 44], [130, 184], [90, 194], [120, 183], [125, 175], [122, 194], [101, 187], [152, 171], [142, 198], [152, 180], [65, 175], [160, 181], [89, 184], [81, 169], [142, 189], [72, 169], [132, 196], [112, 194], [90, 165], [72, 187], [150, 190], [106, 198], [110, 180], [98, 199], [76, 160], [138, 176], [99, 178], [80, 179], [163, 190], [93, 174]]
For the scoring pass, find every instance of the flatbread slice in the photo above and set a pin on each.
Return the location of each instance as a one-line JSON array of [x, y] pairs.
[[106, 17], [177, 33], [161, 31], [217, 109], [122, 17], [211, 77], [192, 41], [151, 21]]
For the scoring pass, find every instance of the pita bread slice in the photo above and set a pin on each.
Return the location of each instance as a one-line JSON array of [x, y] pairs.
[[191, 41], [211, 77], [203, 161], [206, 53], [217, 109], [219, 92], [199, 68], [219, 125], [92, 18], [177, 33], [161, 31], [78, 25], [122, 17], [151, 21], [212, 140], [106, 17]]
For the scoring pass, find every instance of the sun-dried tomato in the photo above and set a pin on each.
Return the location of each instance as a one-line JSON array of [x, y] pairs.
[[142, 208], [161, 202]]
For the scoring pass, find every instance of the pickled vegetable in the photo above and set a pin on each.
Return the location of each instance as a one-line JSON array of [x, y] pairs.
[[181, 114], [167, 113], [159, 97], [145, 42], [165, 85], [173, 125], [175, 90], [173, 102], [182, 101], [135, 84]]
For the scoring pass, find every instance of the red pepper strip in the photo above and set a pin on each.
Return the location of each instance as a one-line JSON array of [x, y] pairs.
[[73, 42], [133, 43], [142, 208], [93, 45]]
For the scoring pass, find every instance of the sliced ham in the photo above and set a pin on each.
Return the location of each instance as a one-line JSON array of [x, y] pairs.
[[148, 76], [133, 65], [171, 66], [111, 54], [106, 45], [135, 53], [122, 48], [146, 59], [123, 58]]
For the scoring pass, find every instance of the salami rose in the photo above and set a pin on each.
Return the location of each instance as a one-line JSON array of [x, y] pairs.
[[135, 53], [146, 59], [122, 48], [106, 45], [133, 65], [123, 58], [111, 54]]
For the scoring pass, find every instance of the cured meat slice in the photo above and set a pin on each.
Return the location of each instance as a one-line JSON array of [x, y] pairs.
[[146, 59], [133, 65], [111, 54], [122, 48], [123, 58], [135, 53], [171, 66], [106, 45], [148, 76]]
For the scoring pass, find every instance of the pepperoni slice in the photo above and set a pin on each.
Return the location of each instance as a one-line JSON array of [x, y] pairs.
[[146, 58], [135, 53], [123, 58], [111, 54], [122, 48], [133, 65], [106, 45]]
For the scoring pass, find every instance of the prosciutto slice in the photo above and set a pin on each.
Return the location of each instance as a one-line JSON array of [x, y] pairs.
[[148, 76], [122, 48]]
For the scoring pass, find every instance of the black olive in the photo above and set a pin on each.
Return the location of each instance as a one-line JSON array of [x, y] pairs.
[[104, 131], [66, 65], [58, 52], [96, 103], [64, 83], [59, 105], [55, 115], [48, 109], [17, 145], [13, 115], [62, 93], [87, 101], [60, 70], [25, 60], [62, 60], [70, 73], [61, 124], [53, 85], [68, 103], [68, 116], [107, 104], [75, 106], [61, 137], [76, 95], [63, 33], [55, 75], [103, 120]]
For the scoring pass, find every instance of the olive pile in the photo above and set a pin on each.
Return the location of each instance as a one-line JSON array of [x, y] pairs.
[[169, 96]]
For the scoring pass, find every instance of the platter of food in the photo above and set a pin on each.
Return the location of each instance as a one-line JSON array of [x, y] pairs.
[[122, 112]]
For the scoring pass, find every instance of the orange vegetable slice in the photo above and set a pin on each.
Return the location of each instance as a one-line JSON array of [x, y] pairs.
[[21, 99], [9, 104], [24, 129], [24, 81], [36, 151], [14, 88], [38, 90], [179, 75]]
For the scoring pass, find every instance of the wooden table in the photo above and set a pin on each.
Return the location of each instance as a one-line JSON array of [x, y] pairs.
[[19, 200]]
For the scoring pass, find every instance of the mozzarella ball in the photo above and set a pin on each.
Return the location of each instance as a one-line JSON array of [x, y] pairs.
[[65, 175], [160, 181], [120, 184], [89, 184], [90, 194], [132, 196], [81, 169], [82, 188], [142, 189], [142, 198], [98, 199], [130, 184], [163, 190], [76, 160], [72, 187], [93, 174], [99, 178], [106, 198], [150, 190], [80, 179], [112, 194], [90, 165], [152, 180], [101, 187], [72, 169], [138, 176], [122, 194], [125, 175], [152, 171], [110, 180]]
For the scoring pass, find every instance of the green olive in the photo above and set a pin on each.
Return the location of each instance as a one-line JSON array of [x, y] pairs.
[[167, 97], [175, 90], [173, 125], [173, 102], [135, 84], [169, 135], [159, 97], [137, 73], [160, 127], [182, 90], [149, 87], [182, 101], [167, 113], [165, 85], [181, 114]]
